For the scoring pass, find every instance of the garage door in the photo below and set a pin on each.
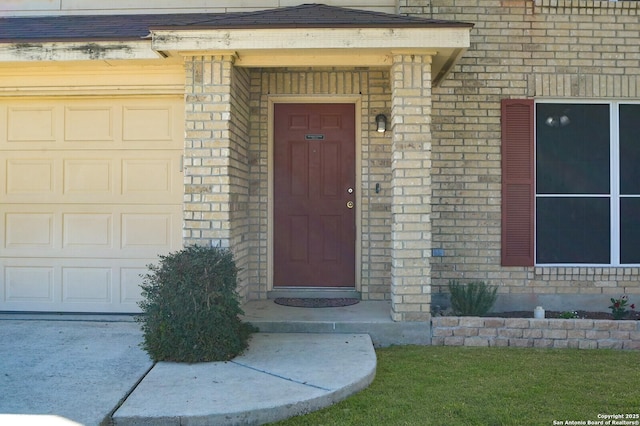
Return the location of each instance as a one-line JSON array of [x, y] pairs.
[[91, 194]]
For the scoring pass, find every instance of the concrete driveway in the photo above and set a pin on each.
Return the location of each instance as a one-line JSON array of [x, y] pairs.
[[57, 371]]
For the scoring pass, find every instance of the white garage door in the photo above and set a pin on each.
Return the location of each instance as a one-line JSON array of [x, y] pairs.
[[91, 194]]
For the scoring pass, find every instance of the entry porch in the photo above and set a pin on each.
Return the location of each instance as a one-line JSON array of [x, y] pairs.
[[365, 317], [236, 79]]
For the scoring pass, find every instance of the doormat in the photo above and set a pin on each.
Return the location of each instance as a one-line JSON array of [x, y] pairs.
[[315, 302]]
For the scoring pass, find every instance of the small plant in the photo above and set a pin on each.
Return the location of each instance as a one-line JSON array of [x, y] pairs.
[[569, 315], [190, 310], [619, 307], [473, 299]]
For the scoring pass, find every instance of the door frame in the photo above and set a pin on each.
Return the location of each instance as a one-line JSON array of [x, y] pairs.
[[315, 99]]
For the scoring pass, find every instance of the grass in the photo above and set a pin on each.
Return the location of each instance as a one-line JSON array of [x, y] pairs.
[[434, 385]]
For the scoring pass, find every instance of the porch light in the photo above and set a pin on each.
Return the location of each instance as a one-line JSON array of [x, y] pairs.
[[381, 123]]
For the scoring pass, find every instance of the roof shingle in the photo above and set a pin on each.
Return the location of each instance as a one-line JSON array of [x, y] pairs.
[[134, 27]]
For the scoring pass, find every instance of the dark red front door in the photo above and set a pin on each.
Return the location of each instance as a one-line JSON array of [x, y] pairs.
[[314, 195]]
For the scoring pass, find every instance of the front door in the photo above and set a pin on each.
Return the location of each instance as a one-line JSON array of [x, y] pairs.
[[314, 195]]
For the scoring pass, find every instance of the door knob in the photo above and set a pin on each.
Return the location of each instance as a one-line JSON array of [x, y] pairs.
[[350, 204]]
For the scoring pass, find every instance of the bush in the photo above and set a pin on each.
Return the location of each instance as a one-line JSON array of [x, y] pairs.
[[190, 310], [473, 299]]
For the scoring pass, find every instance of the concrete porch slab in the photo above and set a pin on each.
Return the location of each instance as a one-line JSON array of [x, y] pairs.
[[369, 317]]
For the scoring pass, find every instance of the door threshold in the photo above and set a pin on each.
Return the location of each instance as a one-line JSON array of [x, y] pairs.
[[314, 292]]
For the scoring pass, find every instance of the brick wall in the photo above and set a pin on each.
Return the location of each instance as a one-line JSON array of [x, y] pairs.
[[519, 49], [537, 333]]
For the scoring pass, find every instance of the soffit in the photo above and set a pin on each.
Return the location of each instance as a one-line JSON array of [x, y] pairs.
[[317, 35]]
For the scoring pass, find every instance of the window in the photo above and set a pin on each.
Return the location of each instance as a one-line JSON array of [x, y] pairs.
[[586, 183]]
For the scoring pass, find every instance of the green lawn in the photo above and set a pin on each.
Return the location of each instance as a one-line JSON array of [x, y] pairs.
[[427, 385]]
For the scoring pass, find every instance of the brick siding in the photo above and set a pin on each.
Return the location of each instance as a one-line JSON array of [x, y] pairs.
[[439, 170], [519, 49]]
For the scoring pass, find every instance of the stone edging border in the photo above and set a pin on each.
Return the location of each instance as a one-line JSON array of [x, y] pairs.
[[537, 333]]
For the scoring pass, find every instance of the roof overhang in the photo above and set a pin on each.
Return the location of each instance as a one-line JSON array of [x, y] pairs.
[[63, 51], [303, 47], [296, 36]]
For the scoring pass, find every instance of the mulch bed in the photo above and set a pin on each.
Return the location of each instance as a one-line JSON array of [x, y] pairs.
[[634, 315]]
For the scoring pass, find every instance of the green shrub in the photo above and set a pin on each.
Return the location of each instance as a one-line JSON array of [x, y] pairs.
[[473, 299], [190, 310]]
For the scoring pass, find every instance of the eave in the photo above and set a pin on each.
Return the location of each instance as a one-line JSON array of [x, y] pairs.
[[77, 51], [251, 47], [304, 47]]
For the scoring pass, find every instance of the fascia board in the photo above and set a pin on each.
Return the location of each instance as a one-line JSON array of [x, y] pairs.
[[77, 51], [234, 40]]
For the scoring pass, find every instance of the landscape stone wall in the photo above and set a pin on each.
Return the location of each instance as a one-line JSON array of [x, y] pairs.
[[535, 333]]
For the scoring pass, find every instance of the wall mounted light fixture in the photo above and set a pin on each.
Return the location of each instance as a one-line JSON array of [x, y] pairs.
[[381, 123]]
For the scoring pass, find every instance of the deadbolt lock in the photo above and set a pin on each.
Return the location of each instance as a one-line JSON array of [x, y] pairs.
[[350, 204]]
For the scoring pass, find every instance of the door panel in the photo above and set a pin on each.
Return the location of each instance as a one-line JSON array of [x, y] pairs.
[[314, 167]]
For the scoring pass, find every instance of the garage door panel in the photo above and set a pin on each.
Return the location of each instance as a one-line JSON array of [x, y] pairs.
[[144, 230], [89, 177], [140, 176], [108, 286], [32, 123], [28, 230], [148, 232], [30, 176], [130, 280], [133, 177], [90, 124], [91, 194], [87, 285], [29, 283], [159, 126], [87, 230], [75, 230]]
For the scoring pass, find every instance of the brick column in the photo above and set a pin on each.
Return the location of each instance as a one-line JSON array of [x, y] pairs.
[[411, 183], [207, 203]]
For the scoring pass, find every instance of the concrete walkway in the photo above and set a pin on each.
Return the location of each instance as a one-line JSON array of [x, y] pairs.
[[61, 370]]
